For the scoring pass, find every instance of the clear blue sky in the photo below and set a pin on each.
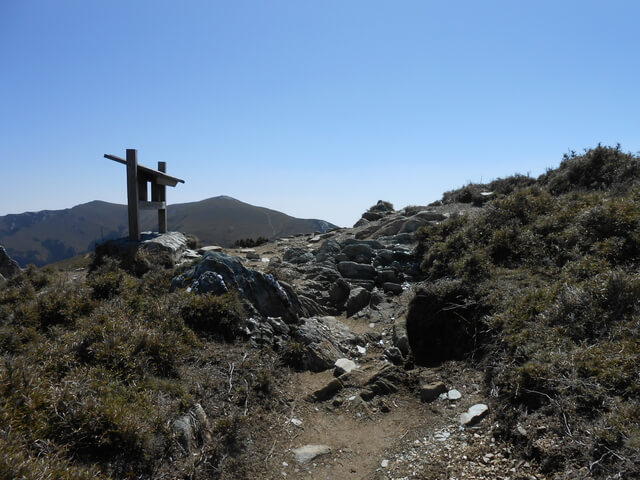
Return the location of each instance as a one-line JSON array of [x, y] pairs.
[[314, 108]]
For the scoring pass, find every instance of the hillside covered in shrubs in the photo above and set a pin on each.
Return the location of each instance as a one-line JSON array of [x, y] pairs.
[[542, 288], [95, 371], [539, 289]]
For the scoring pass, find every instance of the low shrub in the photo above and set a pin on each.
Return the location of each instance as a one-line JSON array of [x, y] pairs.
[[250, 242], [218, 315]]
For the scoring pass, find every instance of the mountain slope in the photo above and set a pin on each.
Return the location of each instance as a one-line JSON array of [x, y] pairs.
[[52, 235]]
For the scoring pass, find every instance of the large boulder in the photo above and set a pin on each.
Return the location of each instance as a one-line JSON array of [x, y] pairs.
[[8, 266], [327, 251], [217, 272]]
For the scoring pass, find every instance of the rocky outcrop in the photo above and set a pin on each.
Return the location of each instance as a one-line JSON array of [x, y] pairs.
[[167, 249], [326, 340], [218, 273], [8, 266]]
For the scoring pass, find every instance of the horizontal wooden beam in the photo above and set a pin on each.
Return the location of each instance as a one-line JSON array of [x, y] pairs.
[[160, 177], [115, 159], [152, 205]]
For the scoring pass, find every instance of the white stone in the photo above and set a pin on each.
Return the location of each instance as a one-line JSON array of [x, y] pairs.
[[296, 421], [306, 453], [344, 365], [474, 414], [384, 463], [454, 394]]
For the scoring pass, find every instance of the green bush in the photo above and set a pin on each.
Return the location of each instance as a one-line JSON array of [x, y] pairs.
[[250, 242], [221, 316]]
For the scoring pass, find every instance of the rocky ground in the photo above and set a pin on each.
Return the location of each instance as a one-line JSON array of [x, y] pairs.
[[357, 407]]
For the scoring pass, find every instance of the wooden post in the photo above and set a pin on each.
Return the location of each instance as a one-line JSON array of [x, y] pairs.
[[132, 195], [162, 197]]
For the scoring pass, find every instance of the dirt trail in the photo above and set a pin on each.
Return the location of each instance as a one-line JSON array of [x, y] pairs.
[[393, 435]]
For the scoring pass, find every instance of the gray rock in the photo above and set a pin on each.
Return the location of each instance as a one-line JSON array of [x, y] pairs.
[[356, 270], [328, 391], [358, 299], [328, 250], [372, 216], [358, 252], [339, 292], [383, 257], [368, 285], [376, 299], [400, 338], [360, 223], [262, 291], [306, 453], [192, 430], [326, 340], [374, 244], [474, 414], [412, 224], [341, 257], [430, 391], [252, 256], [387, 275], [390, 228], [210, 282], [304, 258], [8, 266], [271, 331], [430, 216], [394, 288], [297, 256], [394, 355], [166, 247]]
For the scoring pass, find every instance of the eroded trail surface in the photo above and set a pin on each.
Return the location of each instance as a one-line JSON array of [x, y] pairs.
[[375, 415], [393, 435]]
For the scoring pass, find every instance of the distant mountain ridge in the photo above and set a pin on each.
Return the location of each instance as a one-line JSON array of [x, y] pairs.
[[51, 235]]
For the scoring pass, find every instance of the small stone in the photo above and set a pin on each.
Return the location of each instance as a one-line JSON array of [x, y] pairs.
[[474, 414], [442, 436], [430, 391], [328, 391], [384, 463], [306, 453], [454, 394], [296, 421]]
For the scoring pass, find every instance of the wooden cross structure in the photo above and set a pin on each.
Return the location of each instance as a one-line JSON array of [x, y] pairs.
[[138, 176]]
